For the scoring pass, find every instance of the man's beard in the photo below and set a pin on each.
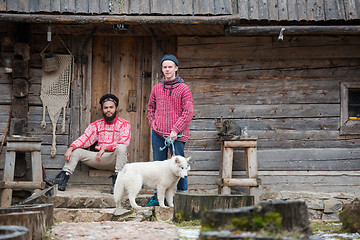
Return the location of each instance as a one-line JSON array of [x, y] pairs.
[[110, 118]]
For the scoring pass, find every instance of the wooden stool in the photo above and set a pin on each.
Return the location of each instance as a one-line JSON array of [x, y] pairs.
[[21, 144], [251, 181]]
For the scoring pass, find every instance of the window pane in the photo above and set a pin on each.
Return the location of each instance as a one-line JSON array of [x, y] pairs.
[[354, 102]]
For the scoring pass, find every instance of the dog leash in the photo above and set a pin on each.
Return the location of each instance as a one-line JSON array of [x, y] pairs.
[[169, 142]]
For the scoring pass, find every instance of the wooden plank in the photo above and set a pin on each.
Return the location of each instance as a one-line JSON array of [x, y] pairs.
[[100, 80], [302, 9], [351, 11], [245, 182], [263, 10], [273, 10], [144, 134], [283, 10], [249, 48], [182, 7], [34, 5], [17, 6], [55, 6], [253, 10], [227, 162], [222, 7], [267, 111], [104, 6], [67, 6], [306, 181], [161, 7], [124, 6], [292, 10], [240, 143], [134, 7], [203, 7], [319, 10], [44, 6], [3, 5], [243, 8], [281, 159], [82, 6], [85, 114], [244, 70], [114, 6], [301, 124], [94, 6]]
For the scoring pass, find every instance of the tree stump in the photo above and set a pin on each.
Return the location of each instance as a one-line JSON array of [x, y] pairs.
[[189, 206], [46, 209], [11, 232], [288, 216], [33, 221], [350, 216]]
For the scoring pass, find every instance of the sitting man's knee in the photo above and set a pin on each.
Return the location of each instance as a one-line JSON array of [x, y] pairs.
[[121, 149]]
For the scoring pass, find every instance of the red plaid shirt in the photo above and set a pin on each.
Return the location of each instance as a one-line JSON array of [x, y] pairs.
[[106, 134]]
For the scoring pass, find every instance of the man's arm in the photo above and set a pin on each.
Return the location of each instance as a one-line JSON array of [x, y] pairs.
[[68, 153]]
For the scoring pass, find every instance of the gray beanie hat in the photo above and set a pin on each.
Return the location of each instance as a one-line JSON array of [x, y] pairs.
[[171, 58]]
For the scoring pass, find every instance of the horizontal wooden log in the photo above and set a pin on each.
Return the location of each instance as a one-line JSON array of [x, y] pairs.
[[267, 111], [231, 182], [23, 147], [22, 185], [240, 143], [291, 30], [129, 19]]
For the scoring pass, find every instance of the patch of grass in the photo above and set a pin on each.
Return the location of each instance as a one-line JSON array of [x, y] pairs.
[[327, 227], [188, 224]]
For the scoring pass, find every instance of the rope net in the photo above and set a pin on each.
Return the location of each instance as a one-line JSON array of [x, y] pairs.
[[55, 91]]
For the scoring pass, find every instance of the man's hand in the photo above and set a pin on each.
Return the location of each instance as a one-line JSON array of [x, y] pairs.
[[68, 154], [173, 135], [100, 153]]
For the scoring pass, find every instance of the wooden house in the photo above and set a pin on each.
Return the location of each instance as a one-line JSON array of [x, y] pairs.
[[289, 70]]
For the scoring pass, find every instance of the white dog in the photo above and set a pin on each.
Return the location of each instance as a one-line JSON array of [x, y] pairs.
[[162, 175]]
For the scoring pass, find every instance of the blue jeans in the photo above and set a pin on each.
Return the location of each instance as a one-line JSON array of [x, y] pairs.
[[159, 142]]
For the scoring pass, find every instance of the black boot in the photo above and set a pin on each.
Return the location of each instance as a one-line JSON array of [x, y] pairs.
[[60, 179], [113, 178]]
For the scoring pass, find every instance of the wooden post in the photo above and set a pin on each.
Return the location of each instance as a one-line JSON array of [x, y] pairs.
[[9, 170], [252, 171], [227, 168]]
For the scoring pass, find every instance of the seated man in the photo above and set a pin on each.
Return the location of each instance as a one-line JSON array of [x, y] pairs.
[[112, 135]]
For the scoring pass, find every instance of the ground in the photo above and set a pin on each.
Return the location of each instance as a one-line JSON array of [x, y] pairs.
[[114, 230]]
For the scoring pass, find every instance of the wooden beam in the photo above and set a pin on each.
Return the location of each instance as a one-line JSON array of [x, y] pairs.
[[22, 185], [232, 182], [240, 143], [291, 30], [109, 19]]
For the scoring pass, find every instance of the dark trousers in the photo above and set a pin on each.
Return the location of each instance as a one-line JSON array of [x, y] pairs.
[[159, 142]]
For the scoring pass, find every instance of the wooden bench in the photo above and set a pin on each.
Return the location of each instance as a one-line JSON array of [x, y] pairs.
[[21, 144], [226, 164]]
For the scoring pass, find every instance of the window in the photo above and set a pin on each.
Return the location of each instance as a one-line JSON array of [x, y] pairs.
[[350, 108]]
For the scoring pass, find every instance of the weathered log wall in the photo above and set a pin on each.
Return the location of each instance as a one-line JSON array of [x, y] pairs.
[[286, 92], [288, 95]]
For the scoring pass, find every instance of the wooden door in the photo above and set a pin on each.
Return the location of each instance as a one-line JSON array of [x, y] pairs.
[[118, 67]]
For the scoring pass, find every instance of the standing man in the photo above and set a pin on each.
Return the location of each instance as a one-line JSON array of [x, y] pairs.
[[112, 135], [170, 110]]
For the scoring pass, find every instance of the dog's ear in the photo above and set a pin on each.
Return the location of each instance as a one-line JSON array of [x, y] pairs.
[[187, 159], [177, 160]]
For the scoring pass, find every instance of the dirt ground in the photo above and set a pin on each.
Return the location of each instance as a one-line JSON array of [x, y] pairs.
[[113, 230]]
